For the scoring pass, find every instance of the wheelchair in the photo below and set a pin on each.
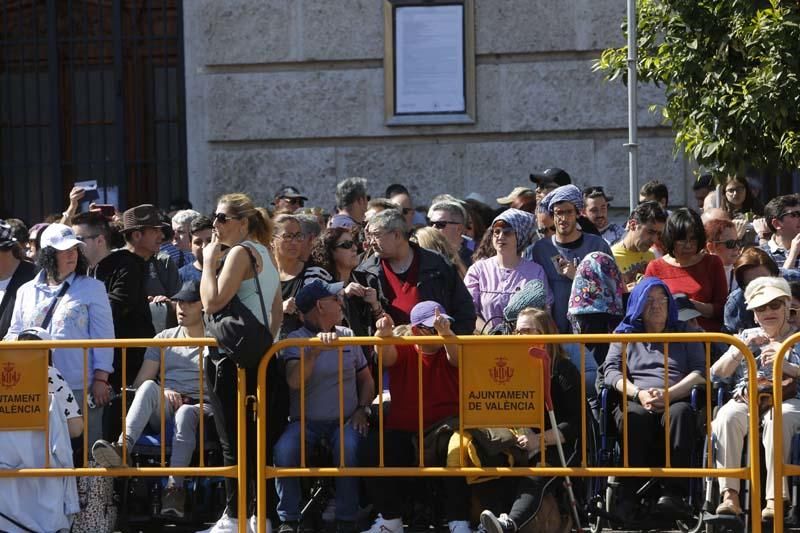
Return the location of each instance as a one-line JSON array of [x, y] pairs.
[[604, 498]]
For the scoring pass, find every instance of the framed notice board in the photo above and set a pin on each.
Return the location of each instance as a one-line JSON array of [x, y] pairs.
[[429, 62]]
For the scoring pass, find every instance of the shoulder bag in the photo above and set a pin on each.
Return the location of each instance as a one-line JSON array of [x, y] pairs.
[[238, 332]]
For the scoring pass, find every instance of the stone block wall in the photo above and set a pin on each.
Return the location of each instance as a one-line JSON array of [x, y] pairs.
[[290, 92]]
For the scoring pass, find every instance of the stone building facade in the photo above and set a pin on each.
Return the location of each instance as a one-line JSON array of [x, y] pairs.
[[291, 92]]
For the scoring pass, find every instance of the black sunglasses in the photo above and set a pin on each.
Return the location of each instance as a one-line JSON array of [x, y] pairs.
[[345, 245], [222, 218], [543, 231], [294, 201], [792, 214], [731, 244], [441, 224]]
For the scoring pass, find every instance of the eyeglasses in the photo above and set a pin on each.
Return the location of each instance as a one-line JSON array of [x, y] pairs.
[[293, 201], [291, 236], [84, 238], [774, 305], [544, 230], [792, 214], [344, 245], [793, 312], [222, 218], [374, 235], [731, 244], [427, 329], [505, 230], [441, 224]]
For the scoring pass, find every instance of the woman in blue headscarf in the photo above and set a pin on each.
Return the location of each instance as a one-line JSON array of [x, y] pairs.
[[651, 309], [493, 280]]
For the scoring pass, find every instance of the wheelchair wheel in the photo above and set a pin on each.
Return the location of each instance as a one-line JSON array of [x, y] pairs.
[[696, 500]]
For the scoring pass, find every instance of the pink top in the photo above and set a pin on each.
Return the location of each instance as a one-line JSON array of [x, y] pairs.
[[491, 286]]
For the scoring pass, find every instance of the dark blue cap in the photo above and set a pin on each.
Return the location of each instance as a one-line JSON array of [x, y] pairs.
[[312, 292]]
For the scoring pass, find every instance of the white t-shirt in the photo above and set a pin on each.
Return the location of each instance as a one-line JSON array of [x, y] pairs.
[[3, 286]]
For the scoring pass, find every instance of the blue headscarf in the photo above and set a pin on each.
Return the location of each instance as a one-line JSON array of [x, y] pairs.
[[524, 225], [565, 193], [633, 323]]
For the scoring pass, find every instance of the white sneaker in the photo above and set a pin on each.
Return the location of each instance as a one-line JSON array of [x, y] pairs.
[[225, 524], [395, 525], [459, 526], [252, 525]]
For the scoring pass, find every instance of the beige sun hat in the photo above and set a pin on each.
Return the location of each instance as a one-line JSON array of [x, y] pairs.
[[763, 290]]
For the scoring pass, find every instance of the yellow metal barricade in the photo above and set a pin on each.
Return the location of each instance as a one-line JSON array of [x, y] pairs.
[[234, 472], [782, 469], [489, 343]]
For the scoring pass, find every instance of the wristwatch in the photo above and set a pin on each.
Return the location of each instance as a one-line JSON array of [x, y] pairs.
[[634, 392], [367, 409]]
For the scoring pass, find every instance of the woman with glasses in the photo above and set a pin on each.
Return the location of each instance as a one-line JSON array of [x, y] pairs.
[[687, 269], [334, 259], [228, 271], [769, 299], [739, 201], [522, 497], [723, 241], [287, 240], [493, 280]]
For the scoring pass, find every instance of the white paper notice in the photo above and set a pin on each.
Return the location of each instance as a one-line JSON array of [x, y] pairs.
[[429, 59]]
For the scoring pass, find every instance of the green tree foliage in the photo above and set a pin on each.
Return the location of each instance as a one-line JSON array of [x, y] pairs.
[[730, 72]]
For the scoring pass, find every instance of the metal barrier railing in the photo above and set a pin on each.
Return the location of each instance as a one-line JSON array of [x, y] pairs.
[[233, 471], [781, 469], [750, 472]]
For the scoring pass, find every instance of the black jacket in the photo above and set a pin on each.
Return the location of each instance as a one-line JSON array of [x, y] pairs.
[[23, 274], [438, 281], [123, 273]]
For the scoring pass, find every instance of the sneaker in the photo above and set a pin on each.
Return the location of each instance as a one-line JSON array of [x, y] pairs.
[[108, 454], [459, 526], [172, 501], [497, 524], [381, 525], [768, 513], [288, 527], [225, 524]]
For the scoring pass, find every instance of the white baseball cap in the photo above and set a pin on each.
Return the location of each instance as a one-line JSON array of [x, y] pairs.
[[60, 237]]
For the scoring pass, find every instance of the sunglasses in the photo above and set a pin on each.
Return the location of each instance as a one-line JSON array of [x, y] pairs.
[[543, 230], [291, 236], [293, 201], [84, 238], [774, 305], [441, 224], [502, 231], [731, 244], [792, 214], [344, 245], [222, 218]]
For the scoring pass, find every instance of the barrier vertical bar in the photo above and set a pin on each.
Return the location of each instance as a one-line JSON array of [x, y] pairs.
[[47, 425], [668, 458], [302, 407], [420, 410], [583, 404], [460, 405], [709, 392], [624, 404], [202, 410], [241, 473], [777, 435], [86, 391], [124, 408], [754, 447], [261, 443], [380, 405], [162, 407], [341, 407]]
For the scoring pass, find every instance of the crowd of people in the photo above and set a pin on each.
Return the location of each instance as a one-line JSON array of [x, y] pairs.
[[548, 259]]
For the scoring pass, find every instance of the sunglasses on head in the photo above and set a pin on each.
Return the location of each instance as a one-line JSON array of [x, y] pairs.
[[731, 244], [222, 218], [774, 305], [345, 245], [294, 201], [441, 224]]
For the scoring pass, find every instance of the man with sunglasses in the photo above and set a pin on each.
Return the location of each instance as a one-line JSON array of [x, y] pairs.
[[289, 199], [632, 253], [450, 219], [596, 203], [560, 254], [783, 218]]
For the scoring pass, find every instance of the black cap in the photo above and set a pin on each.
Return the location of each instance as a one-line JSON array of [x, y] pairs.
[[190, 292], [551, 175], [289, 192]]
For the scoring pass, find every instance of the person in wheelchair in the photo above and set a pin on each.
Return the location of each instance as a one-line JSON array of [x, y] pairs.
[[181, 395], [439, 411], [651, 309], [528, 492], [320, 304], [769, 298]]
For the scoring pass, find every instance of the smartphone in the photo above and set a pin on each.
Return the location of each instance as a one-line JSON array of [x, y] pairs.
[[107, 210]]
